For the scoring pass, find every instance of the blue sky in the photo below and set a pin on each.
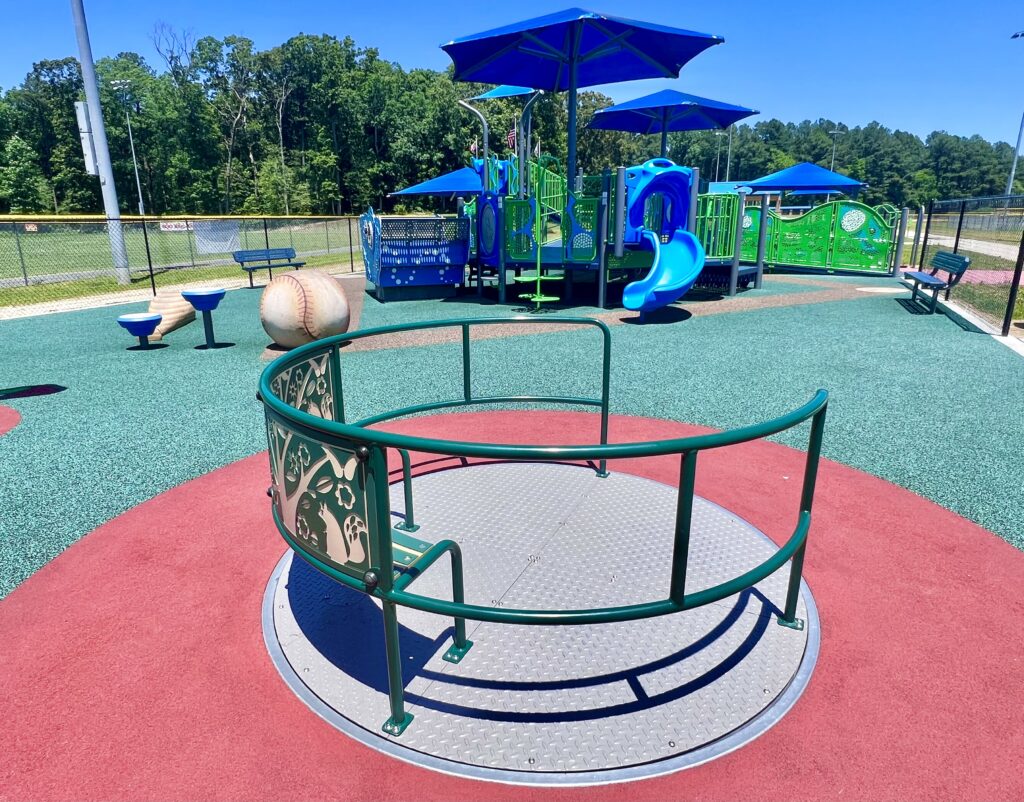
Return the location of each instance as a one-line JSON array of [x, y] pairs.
[[918, 65]]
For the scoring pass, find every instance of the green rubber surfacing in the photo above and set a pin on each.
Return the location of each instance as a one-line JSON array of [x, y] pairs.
[[914, 399]]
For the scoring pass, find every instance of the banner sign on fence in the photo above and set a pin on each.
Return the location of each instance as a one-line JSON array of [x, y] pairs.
[[174, 225], [216, 236]]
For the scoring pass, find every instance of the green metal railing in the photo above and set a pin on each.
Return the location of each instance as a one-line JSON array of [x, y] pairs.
[[716, 225], [314, 450], [550, 186]]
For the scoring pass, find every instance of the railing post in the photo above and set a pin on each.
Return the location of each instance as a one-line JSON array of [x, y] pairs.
[[789, 618], [351, 249], [21, 256], [467, 391], [149, 256], [684, 516], [409, 524], [606, 362]]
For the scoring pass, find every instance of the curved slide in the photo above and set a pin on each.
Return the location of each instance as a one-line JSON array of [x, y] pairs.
[[677, 264]]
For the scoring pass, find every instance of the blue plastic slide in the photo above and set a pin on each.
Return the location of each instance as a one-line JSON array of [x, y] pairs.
[[677, 263]]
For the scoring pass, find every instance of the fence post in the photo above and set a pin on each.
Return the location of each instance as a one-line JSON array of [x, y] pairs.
[[1014, 287], [927, 228], [917, 234], [901, 241], [21, 256], [266, 235], [149, 257], [351, 252], [959, 227], [190, 232], [327, 236]]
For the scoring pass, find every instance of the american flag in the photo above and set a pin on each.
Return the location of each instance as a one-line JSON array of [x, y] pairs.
[[510, 139], [472, 147]]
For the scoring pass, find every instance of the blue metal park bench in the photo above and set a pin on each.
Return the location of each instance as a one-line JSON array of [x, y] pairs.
[[954, 265], [266, 259]]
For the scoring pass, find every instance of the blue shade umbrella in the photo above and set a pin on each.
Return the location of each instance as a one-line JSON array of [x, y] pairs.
[[458, 182], [666, 111], [805, 176], [575, 48]]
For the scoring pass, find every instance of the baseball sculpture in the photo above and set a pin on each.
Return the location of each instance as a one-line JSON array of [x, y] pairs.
[[297, 308]]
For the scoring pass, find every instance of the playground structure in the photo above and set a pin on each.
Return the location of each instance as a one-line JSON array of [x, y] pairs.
[[587, 235], [333, 504]]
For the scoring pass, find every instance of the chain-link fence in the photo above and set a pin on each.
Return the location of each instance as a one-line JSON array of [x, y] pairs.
[[990, 231], [50, 259]]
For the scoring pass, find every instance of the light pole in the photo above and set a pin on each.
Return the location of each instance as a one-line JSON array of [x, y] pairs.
[[1020, 134], [123, 85], [118, 252]]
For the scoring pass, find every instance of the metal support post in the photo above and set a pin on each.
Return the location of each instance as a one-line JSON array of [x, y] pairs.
[[762, 241], [959, 226], [924, 240], [691, 214], [901, 241], [734, 267], [602, 241], [918, 228], [1011, 303], [620, 210]]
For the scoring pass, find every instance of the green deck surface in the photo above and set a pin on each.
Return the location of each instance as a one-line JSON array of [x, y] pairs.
[[915, 399]]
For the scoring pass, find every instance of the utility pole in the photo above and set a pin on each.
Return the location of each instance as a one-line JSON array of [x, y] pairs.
[[99, 135], [1020, 135], [123, 85]]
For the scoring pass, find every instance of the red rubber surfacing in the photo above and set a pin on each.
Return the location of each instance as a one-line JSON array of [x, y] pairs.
[[133, 665], [9, 418]]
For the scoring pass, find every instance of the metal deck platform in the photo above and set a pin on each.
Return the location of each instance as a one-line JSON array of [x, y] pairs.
[[554, 705]]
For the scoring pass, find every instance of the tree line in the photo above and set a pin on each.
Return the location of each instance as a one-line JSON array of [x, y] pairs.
[[318, 125]]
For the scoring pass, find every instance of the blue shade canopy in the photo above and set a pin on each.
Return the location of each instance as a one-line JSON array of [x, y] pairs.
[[805, 176], [504, 91], [459, 182], [668, 110], [544, 52]]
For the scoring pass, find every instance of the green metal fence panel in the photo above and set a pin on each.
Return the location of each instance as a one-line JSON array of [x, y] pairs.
[[520, 243], [751, 231], [716, 225], [549, 186], [862, 238], [579, 229]]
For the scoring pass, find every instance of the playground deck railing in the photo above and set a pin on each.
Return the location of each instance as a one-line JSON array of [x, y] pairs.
[[320, 461]]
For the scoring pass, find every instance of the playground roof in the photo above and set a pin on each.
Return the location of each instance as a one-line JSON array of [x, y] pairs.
[[668, 110], [600, 49], [458, 182], [504, 90], [805, 176]]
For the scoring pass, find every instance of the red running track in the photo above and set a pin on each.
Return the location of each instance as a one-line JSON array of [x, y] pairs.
[[133, 665]]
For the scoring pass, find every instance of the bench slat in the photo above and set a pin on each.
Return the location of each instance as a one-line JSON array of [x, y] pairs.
[[952, 263], [925, 278], [263, 254]]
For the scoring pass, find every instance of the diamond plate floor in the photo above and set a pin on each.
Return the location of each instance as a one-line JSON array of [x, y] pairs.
[[554, 705]]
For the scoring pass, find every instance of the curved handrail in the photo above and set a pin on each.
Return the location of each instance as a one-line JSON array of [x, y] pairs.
[[459, 448]]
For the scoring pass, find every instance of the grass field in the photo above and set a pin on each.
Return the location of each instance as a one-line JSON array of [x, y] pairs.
[[70, 260]]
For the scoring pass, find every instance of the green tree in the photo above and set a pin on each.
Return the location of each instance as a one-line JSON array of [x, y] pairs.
[[22, 185]]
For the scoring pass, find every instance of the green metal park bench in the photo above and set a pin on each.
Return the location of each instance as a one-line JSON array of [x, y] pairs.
[[954, 265], [266, 259]]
